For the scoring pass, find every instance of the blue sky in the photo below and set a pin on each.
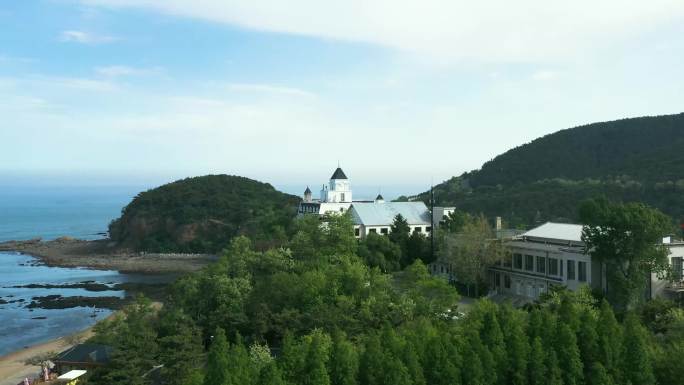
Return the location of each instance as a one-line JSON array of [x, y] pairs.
[[401, 93]]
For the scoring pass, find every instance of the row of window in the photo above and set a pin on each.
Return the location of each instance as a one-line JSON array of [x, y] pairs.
[[385, 230], [549, 266]]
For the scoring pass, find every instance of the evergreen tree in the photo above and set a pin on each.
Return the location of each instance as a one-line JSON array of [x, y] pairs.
[[217, 372], [493, 339], [372, 362], [609, 341], [271, 375], [410, 358], [473, 372], [599, 375], [569, 356], [399, 235], [240, 367], [180, 346], [554, 372], [440, 368], [517, 345], [637, 367], [315, 371], [291, 358], [344, 361], [536, 367], [587, 338]]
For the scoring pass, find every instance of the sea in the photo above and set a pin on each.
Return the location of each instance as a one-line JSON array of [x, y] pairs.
[[49, 212]]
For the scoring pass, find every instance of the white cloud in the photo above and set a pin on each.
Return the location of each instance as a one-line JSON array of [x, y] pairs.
[[85, 37], [489, 30], [121, 70], [268, 88]]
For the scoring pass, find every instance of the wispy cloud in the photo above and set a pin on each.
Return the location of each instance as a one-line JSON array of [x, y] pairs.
[[441, 30], [86, 84], [73, 36], [268, 88], [122, 70]]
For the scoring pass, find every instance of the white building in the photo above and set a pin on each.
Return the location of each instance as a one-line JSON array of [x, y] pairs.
[[378, 216], [336, 197], [554, 254]]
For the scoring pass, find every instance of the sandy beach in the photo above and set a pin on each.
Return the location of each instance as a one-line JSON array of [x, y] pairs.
[[102, 255], [13, 369]]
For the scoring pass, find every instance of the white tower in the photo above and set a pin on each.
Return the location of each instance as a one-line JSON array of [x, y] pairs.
[[338, 190]]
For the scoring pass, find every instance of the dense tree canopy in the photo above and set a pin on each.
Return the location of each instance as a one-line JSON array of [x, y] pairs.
[[203, 214], [632, 160]]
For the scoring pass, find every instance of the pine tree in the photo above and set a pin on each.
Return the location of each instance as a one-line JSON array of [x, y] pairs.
[[180, 349], [554, 373], [410, 359], [493, 339], [609, 341], [536, 367], [344, 361], [239, 365], [217, 372], [315, 371], [372, 362], [599, 375], [587, 339], [291, 358], [637, 367], [473, 372], [271, 375], [569, 356], [439, 366]]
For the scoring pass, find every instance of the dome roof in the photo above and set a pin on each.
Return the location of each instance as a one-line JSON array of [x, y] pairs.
[[338, 174]]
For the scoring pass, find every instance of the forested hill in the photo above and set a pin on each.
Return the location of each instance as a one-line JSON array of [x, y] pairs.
[[639, 159], [202, 214]]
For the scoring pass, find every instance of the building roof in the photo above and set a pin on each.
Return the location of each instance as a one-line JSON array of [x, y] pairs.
[[71, 375], [557, 231], [86, 353], [383, 214], [338, 174], [379, 198], [307, 191]]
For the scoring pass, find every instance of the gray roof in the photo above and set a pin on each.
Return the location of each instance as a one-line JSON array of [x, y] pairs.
[[383, 214], [86, 353], [307, 191], [557, 231], [338, 174]]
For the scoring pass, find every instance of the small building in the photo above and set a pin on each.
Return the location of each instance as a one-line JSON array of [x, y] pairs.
[[72, 377], [378, 216], [83, 357]]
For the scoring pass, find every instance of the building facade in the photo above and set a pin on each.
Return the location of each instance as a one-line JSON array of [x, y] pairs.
[[378, 216], [335, 197]]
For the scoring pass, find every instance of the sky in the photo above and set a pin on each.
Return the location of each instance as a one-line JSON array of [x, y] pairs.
[[399, 93]]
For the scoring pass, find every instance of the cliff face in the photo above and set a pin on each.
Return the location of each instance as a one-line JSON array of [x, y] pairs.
[[202, 214]]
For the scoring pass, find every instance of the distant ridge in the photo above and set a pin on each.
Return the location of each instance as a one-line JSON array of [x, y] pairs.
[[636, 159]]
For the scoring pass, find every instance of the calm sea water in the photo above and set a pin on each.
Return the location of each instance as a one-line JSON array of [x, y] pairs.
[[48, 213]]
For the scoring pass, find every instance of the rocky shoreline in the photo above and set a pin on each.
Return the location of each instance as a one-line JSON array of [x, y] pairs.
[[105, 255]]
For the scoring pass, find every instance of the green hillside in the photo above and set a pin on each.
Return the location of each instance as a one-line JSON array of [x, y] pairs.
[[202, 214], [639, 159]]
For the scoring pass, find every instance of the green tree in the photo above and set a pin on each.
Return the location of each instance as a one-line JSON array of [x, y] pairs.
[[315, 364], [399, 235], [536, 368], [240, 368], [637, 367], [344, 361], [599, 375], [217, 371], [609, 341], [180, 347], [588, 340], [472, 251], [378, 251], [569, 356], [271, 375], [554, 372], [627, 239]]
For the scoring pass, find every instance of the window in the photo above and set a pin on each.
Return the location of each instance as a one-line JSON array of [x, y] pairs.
[[582, 271], [497, 280], [374, 231], [342, 200], [571, 269], [357, 231], [529, 263], [541, 265], [507, 281], [553, 266], [428, 229], [384, 230], [341, 209], [677, 268], [517, 260], [507, 261], [418, 229]]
